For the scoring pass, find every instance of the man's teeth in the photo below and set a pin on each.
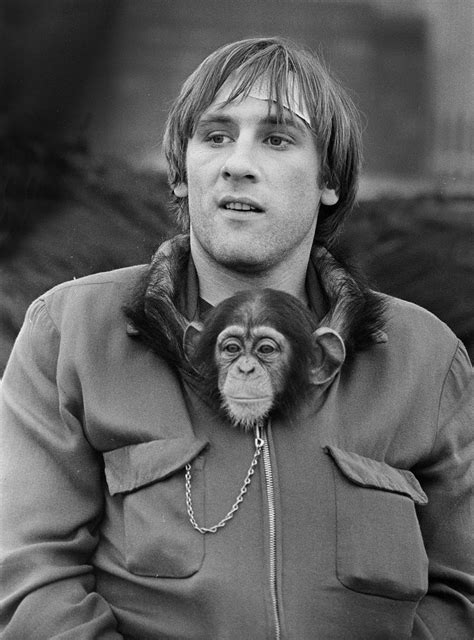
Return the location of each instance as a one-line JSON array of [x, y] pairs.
[[239, 206]]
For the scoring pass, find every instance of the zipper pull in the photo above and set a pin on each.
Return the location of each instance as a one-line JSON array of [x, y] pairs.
[[259, 441]]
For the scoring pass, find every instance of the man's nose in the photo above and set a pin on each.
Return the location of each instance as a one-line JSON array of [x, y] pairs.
[[240, 164]]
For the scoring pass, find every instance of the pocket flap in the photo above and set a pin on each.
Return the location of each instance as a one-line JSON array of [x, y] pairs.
[[136, 465], [367, 472]]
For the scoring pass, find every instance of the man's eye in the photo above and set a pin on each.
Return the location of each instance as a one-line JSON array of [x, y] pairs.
[[218, 138], [278, 141]]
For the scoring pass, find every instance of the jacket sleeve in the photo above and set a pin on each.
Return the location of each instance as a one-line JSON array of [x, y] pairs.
[[51, 497], [447, 522]]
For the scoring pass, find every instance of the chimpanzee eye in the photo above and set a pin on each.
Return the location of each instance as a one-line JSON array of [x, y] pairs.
[[267, 348], [231, 347]]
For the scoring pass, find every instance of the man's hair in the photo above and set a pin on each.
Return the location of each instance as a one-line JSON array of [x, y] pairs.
[[334, 118]]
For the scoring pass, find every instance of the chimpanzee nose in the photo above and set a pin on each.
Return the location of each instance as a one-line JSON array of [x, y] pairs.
[[246, 365]]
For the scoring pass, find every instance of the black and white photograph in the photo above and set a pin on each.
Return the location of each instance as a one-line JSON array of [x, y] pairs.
[[237, 320]]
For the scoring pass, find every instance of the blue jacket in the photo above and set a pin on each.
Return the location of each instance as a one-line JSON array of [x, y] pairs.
[[357, 524]]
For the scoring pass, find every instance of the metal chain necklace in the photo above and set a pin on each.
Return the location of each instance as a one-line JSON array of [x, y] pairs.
[[259, 442]]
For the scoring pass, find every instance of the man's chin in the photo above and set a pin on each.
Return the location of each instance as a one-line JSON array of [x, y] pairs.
[[238, 253], [247, 264]]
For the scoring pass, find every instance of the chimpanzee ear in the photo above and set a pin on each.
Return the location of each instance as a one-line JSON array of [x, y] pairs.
[[330, 353], [191, 336]]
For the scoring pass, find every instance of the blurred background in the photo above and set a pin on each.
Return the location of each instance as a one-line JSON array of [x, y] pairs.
[[85, 87]]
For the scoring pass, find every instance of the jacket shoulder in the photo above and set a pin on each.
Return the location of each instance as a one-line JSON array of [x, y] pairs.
[[418, 332], [93, 297], [125, 277]]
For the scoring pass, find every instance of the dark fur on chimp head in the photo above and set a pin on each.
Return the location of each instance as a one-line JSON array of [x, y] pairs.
[[262, 339]]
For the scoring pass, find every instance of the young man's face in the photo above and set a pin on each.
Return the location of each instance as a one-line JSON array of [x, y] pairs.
[[252, 185]]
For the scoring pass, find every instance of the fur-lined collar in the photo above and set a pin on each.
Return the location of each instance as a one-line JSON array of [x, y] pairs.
[[157, 315]]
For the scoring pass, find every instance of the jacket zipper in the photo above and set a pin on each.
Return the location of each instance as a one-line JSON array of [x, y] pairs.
[[267, 465]]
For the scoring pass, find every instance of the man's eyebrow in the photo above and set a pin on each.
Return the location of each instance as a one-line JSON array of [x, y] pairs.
[[293, 121], [214, 118], [269, 120]]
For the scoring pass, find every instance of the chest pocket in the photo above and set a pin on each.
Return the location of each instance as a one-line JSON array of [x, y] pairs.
[[379, 548], [148, 478]]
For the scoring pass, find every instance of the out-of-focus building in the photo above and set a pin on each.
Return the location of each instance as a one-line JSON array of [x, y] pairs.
[[409, 64], [451, 49]]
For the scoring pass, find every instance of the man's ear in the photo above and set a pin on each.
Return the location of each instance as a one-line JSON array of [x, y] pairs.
[[330, 353], [191, 336], [329, 196], [181, 190]]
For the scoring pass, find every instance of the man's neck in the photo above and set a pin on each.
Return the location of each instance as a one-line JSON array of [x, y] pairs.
[[217, 282]]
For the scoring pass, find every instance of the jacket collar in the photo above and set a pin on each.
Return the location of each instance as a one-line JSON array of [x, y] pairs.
[[167, 300]]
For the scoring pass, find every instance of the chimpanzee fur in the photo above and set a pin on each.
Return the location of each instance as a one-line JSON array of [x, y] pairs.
[[261, 308]]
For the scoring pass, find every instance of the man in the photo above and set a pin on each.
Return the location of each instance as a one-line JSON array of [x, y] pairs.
[[357, 526]]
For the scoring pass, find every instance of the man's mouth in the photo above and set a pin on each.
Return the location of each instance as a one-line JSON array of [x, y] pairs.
[[239, 205]]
